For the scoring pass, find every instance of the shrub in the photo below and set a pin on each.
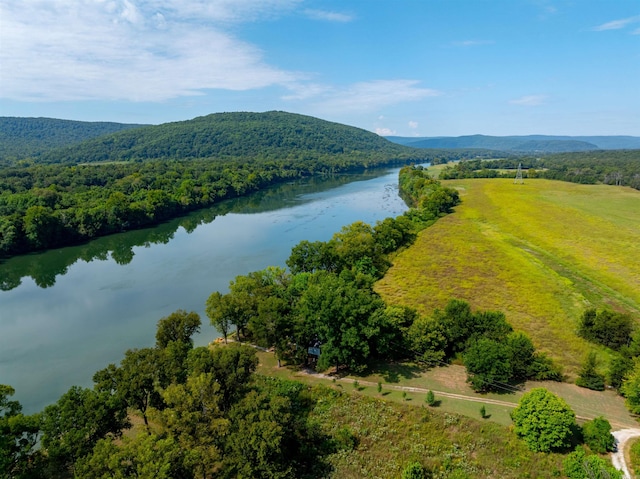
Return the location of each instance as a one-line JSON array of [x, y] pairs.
[[597, 435]]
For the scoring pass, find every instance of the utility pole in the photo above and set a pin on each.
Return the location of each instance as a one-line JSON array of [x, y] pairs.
[[519, 175]]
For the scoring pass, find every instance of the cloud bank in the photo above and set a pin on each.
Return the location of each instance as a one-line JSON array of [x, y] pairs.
[[150, 50]]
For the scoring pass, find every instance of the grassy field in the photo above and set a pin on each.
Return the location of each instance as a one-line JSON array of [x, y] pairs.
[[541, 252]]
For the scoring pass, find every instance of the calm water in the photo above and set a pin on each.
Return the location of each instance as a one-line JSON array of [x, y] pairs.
[[67, 313]]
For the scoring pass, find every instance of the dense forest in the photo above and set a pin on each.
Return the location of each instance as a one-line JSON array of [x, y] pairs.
[[147, 175], [613, 167], [22, 138]]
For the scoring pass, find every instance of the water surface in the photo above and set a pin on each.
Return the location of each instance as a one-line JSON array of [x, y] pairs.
[[67, 313]]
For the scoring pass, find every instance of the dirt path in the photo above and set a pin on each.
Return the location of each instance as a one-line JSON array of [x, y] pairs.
[[462, 397], [618, 458]]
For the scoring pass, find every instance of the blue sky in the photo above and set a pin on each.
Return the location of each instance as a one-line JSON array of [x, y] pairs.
[[401, 67]]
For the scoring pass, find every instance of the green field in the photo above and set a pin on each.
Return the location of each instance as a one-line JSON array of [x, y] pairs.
[[541, 252]]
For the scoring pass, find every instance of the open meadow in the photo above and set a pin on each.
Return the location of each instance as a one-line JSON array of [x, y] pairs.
[[541, 252]]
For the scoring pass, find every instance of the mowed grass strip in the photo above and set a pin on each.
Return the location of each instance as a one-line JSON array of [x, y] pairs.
[[541, 252]]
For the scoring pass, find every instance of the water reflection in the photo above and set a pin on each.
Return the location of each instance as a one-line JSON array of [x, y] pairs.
[[45, 267]]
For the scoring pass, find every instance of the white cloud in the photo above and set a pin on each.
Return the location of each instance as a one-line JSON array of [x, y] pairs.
[[140, 50], [372, 95], [328, 16], [617, 24], [529, 100], [385, 131], [413, 125]]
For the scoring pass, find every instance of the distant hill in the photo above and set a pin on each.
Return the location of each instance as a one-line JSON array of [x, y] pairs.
[[529, 143], [239, 135], [26, 137]]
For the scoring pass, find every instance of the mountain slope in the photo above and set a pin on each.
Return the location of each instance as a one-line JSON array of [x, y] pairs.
[[529, 143], [270, 135], [24, 137]]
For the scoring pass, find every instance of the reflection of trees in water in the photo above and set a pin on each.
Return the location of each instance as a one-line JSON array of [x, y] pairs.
[[45, 267]]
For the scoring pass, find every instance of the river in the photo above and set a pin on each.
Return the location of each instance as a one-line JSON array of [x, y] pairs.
[[67, 313]]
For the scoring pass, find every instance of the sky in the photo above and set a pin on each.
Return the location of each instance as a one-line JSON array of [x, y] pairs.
[[394, 67]]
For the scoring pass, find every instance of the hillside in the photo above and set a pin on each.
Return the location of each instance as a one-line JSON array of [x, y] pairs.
[[529, 143], [25, 137], [240, 135], [541, 252]]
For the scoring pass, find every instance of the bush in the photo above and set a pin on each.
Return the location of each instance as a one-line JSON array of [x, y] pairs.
[[578, 465], [414, 470], [597, 435]]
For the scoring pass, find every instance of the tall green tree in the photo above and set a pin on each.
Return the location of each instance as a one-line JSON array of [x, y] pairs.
[[219, 309], [544, 421], [19, 454], [630, 388], [589, 377], [179, 326], [341, 316], [488, 365], [76, 422]]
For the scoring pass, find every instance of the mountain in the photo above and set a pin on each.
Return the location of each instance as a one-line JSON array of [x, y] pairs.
[[28, 137], [239, 135], [530, 143]]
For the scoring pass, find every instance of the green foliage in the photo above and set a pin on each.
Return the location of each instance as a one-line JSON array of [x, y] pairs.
[[634, 455], [597, 435], [606, 327], [579, 465], [589, 377], [483, 412], [347, 320], [613, 167], [488, 365], [426, 338], [145, 456], [430, 398], [544, 421], [179, 326], [76, 422], [619, 367], [428, 197], [19, 455], [24, 137], [630, 388], [414, 470], [462, 327]]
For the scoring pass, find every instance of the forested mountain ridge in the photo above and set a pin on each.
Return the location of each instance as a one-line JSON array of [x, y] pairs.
[[25, 137], [271, 135], [528, 143]]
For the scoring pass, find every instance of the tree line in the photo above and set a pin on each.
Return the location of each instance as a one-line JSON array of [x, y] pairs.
[[611, 167], [44, 207]]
